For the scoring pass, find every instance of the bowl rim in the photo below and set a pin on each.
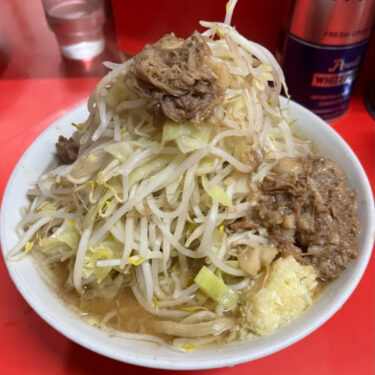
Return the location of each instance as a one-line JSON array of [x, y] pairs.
[[119, 355]]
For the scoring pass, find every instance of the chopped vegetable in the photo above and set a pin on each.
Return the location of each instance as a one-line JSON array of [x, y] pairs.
[[120, 150], [109, 249], [216, 192], [215, 288], [189, 137], [67, 234], [149, 168]]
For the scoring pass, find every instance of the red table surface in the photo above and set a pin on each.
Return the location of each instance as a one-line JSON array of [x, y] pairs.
[[34, 93]]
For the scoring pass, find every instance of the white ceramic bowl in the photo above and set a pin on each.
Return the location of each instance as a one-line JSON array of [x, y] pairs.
[[46, 303]]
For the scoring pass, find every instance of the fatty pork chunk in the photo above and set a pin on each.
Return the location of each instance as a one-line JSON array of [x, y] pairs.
[[311, 213]]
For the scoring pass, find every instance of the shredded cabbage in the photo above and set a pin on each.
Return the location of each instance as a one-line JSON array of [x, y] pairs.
[[188, 137], [216, 192], [120, 150], [67, 234], [103, 251]]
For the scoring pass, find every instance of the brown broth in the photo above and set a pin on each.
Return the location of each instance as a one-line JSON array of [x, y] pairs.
[[132, 317]]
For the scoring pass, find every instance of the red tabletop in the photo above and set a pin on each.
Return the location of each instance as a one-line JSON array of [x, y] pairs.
[[34, 92]]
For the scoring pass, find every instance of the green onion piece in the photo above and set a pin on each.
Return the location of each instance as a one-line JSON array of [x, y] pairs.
[[215, 288]]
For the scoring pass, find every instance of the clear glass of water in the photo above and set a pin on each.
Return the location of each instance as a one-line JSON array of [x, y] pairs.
[[78, 25]]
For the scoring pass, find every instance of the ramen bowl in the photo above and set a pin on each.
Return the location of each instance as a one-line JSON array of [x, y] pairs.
[[64, 319]]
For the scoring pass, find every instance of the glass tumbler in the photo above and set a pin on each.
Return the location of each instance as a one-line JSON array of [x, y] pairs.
[[78, 26]]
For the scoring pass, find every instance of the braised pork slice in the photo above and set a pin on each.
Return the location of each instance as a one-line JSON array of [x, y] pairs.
[[173, 77]]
